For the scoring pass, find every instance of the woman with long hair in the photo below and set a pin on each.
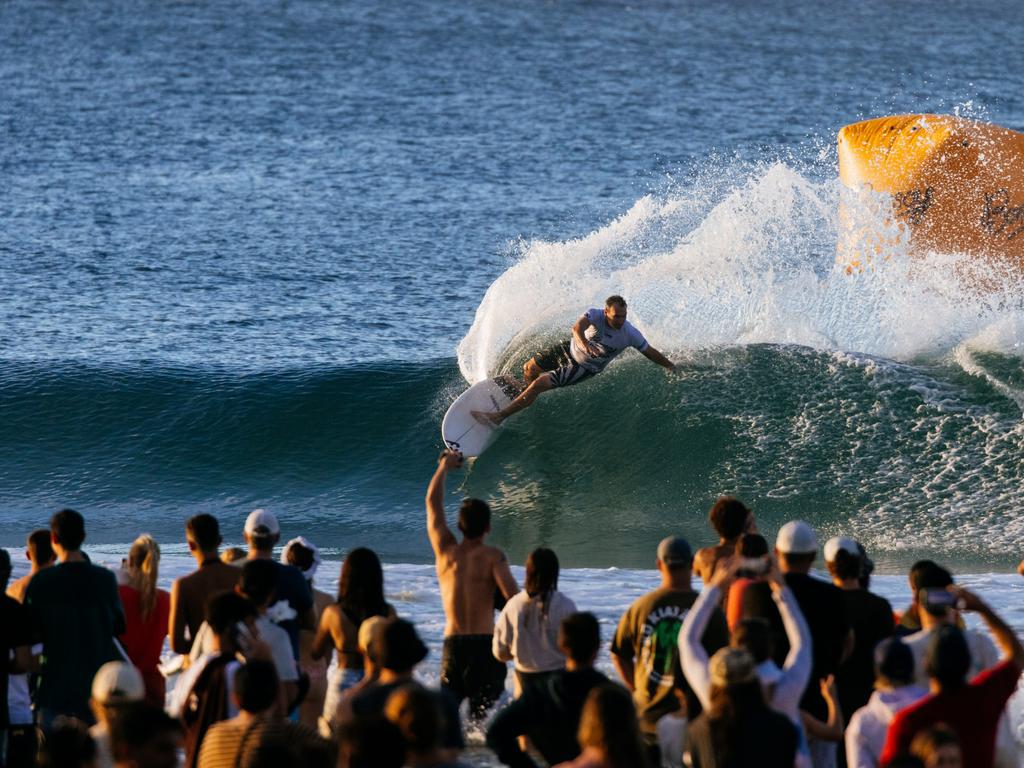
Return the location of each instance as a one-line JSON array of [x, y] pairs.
[[360, 596], [527, 629], [609, 733], [739, 729], [146, 611]]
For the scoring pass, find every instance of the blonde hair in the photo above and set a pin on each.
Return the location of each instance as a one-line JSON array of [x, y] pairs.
[[144, 565]]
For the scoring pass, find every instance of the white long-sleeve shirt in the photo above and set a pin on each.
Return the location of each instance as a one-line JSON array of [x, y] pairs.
[[865, 735], [525, 635], [783, 688]]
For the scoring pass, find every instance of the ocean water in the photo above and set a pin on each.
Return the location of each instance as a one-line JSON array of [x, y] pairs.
[[250, 251]]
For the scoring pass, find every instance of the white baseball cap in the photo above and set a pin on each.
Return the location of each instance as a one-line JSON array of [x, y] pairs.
[[261, 518], [836, 543], [796, 538], [117, 682]]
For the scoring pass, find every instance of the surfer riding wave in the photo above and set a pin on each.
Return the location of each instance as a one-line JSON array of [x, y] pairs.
[[598, 337]]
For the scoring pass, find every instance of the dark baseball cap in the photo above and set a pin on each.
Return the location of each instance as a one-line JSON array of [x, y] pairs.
[[400, 646], [894, 661], [675, 550]]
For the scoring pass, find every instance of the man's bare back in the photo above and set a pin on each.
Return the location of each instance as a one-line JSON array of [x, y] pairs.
[[468, 572], [710, 559]]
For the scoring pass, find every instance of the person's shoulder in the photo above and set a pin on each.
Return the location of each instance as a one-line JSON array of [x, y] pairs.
[[490, 550], [220, 744], [563, 602], [287, 571], [98, 572], [877, 602], [12, 611], [914, 712], [225, 729], [516, 601], [705, 554], [632, 330], [45, 581], [1004, 669]]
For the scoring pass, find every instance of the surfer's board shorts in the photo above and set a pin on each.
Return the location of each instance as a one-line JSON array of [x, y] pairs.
[[558, 363]]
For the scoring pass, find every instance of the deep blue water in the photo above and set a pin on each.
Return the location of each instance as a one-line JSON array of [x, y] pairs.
[[240, 243]]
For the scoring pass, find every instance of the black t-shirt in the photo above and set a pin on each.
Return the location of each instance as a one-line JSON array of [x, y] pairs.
[[824, 609], [75, 611], [372, 701], [14, 633], [870, 617], [549, 714]]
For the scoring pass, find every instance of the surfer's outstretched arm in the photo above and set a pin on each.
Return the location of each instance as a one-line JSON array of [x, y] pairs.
[[656, 357], [441, 536]]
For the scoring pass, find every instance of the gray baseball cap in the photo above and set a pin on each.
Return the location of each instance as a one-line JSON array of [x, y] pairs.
[[675, 550]]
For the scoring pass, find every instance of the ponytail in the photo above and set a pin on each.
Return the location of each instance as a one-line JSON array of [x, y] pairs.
[[144, 561]]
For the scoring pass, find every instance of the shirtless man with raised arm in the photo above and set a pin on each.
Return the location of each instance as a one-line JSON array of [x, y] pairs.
[[598, 337], [469, 573]]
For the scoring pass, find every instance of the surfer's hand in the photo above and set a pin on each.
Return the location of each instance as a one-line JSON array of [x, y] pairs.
[[449, 460]]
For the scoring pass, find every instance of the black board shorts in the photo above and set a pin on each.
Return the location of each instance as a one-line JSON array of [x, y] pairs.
[[558, 363], [470, 671]]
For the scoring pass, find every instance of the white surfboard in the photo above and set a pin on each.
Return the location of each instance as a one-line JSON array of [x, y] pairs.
[[462, 432]]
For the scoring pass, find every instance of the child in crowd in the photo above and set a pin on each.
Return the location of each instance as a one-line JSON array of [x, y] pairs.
[[304, 555]]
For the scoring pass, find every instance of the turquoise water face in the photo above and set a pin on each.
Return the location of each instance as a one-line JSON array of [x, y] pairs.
[[250, 253]]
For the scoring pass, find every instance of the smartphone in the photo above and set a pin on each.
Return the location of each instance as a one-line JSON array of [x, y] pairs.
[[758, 565], [937, 601], [752, 567]]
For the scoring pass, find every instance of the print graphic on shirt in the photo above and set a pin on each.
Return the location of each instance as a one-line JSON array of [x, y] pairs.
[[658, 650]]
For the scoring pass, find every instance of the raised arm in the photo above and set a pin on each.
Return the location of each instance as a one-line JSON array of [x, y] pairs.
[[1005, 637], [656, 357], [692, 655], [440, 534], [176, 621], [796, 670], [831, 729]]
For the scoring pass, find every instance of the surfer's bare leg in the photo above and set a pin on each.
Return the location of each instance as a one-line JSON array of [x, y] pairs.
[[525, 400]]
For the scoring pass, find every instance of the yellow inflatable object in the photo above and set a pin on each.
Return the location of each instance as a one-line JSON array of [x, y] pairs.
[[954, 185]]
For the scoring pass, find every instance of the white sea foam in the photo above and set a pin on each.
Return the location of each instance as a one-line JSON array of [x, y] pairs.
[[749, 256]]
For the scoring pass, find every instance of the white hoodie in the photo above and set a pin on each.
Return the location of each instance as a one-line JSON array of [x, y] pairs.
[[865, 735]]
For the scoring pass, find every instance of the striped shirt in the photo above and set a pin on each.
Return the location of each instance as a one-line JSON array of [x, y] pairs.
[[228, 743]]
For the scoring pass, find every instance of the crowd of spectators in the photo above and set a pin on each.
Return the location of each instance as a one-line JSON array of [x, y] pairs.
[[767, 665]]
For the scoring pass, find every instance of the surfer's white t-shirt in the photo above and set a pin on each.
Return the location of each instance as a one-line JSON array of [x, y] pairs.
[[611, 341]]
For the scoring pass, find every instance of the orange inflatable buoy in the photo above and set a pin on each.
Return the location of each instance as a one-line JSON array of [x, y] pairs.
[[953, 185]]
